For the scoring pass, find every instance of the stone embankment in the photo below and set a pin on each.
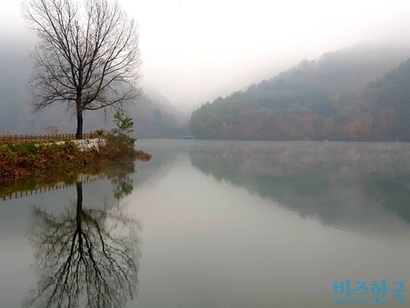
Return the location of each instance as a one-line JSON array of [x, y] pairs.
[[87, 144]]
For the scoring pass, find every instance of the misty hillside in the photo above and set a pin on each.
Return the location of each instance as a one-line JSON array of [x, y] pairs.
[[153, 114], [153, 120], [321, 99], [15, 67], [383, 109]]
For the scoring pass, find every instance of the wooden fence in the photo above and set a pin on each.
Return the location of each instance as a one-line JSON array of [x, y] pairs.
[[55, 137], [40, 190], [85, 179]]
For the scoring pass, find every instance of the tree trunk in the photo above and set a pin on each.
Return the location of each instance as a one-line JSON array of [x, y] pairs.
[[79, 186], [79, 133], [79, 215]]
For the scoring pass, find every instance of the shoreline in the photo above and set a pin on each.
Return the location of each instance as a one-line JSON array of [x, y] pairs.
[[33, 159]]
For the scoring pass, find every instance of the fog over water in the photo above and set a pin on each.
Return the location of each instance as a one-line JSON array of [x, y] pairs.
[[194, 50], [244, 224]]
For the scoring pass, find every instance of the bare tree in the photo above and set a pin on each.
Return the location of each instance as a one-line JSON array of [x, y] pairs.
[[87, 55]]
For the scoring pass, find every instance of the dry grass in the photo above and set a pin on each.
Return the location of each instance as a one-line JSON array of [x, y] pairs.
[[23, 160]]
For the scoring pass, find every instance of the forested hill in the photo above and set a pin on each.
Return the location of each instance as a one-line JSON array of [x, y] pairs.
[[335, 97]]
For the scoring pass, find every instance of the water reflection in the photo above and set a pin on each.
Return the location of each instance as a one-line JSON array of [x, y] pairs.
[[118, 173], [86, 257], [338, 183], [226, 246]]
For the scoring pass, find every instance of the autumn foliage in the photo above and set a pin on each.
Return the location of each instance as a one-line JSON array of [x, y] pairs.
[[30, 159], [317, 100]]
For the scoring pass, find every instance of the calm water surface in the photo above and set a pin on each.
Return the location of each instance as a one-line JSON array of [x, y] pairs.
[[216, 224]]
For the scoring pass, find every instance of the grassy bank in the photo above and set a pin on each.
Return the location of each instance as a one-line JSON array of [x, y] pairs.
[[32, 159]]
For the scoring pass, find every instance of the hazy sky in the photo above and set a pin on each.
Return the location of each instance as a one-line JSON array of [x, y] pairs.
[[196, 50]]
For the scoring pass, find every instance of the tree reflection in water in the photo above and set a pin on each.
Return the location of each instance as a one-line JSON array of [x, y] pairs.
[[85, 257]]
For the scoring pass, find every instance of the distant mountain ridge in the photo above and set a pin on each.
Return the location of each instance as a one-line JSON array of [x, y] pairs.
[[340, 96], [316, 100]]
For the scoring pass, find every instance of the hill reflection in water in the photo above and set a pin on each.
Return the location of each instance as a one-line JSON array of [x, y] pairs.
[[333, 182]]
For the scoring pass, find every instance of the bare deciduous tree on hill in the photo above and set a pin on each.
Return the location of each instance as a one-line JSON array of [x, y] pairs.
[[87, 55]]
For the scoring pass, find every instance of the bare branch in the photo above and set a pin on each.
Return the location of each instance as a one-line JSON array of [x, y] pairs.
[[85, 257], [87, 54]]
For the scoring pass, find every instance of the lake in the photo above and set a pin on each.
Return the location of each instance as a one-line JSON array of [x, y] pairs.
[[216, 224]]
